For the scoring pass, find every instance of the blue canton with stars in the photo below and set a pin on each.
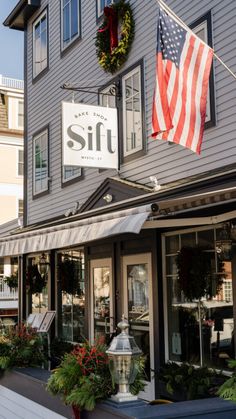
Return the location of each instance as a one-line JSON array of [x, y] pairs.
[[170, 38]]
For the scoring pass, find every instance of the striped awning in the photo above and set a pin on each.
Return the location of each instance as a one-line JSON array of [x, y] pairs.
[[76, 232]]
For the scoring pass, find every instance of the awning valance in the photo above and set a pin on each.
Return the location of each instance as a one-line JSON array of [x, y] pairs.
[[75, 233]]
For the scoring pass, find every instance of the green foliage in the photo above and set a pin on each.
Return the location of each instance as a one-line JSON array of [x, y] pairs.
[[194, 383], [69, 275], [12, 280], [228, 388], [195, 277], [34, 281], [111, 61], [21, 347], [83, 377]]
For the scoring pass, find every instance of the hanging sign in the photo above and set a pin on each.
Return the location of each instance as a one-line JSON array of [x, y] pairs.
[[89, 136]]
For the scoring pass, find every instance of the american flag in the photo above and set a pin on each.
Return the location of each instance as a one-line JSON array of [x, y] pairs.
[[183, 64]]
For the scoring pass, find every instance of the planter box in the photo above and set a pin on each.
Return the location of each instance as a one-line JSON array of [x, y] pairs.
[[31, 383], [213, 408]]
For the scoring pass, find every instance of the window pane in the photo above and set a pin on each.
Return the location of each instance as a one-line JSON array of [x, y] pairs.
[[66, 24], [41, 163], [132, 112], [20, 162], [74, 18], [210, 320], [71, 172], [40, 45]]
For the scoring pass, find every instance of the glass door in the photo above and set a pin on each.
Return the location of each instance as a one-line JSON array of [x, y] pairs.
[[102, 303], [137, 283]]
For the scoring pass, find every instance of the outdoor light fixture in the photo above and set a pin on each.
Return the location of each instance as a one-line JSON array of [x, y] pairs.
[[43, 264], [223, 244], [108, 198], [122, 353]]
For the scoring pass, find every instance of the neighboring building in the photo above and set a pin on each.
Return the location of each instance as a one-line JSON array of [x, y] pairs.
[[11, 179], [122, 239]]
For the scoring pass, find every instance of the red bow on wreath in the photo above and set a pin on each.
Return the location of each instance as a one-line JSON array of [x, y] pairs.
[[112, 25]]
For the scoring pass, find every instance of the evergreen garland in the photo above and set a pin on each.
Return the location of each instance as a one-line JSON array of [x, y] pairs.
[[111, 61]]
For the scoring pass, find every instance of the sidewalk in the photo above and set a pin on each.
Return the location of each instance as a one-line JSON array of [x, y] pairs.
[[15, 406]]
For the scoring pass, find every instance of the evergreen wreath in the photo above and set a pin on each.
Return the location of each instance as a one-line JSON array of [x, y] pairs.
[[195, 276], [112, 58]]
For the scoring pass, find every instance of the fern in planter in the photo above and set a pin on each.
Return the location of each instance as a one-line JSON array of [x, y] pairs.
[[228, 389]]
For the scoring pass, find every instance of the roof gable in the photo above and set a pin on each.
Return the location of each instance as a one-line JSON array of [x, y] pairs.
[[113, 190]]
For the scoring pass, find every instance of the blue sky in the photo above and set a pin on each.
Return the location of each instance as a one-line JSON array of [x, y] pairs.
[[11, 44]]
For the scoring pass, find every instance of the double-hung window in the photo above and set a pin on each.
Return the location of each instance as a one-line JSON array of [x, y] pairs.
[[40, 44], [132, 112], [20, 114], [126, 93], [203, 29], [40, 162], [101, 4], [70, 18], [20, 162], [71, 172]]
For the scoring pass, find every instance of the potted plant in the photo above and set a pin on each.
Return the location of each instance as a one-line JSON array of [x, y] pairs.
[[12, 280], [69, 275], [35, 282], [21, 347], [184, 382], [83, 378]]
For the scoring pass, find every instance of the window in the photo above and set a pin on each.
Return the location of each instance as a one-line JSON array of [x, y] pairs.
[[40, 162], [132, 112], [126, 93], [70, 12], [40, 44], [20, 207], [71, 172], [20, 114], [20, 162], [203, 29], [70, 295], [205, 339], [101, 4]]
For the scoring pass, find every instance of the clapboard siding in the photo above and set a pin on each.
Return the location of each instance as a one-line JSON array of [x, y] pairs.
[[79, 66]]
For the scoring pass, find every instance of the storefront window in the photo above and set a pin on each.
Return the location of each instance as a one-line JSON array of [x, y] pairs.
[[199, 332], [70, 295]]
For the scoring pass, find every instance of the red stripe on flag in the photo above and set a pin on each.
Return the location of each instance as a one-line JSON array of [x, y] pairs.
[[204, 97], [185, 69], [163, 92], [193, 97]]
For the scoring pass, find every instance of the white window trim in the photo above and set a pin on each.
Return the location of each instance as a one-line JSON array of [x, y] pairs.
[[64, 47], [17, 165], [99, 9], [40, 17], [18, 107], [40, 134], [126, 76]]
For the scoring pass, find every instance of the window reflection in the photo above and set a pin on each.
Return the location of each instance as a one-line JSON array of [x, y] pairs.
[[214, 317]]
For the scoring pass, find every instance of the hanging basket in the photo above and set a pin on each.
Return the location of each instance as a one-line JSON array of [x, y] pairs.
[[34, 281], [195, 276]]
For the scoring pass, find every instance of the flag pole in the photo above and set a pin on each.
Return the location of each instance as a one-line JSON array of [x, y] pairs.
[[162, 4]]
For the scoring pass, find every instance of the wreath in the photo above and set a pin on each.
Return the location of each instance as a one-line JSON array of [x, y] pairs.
[[195, 276], [111, 51]]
